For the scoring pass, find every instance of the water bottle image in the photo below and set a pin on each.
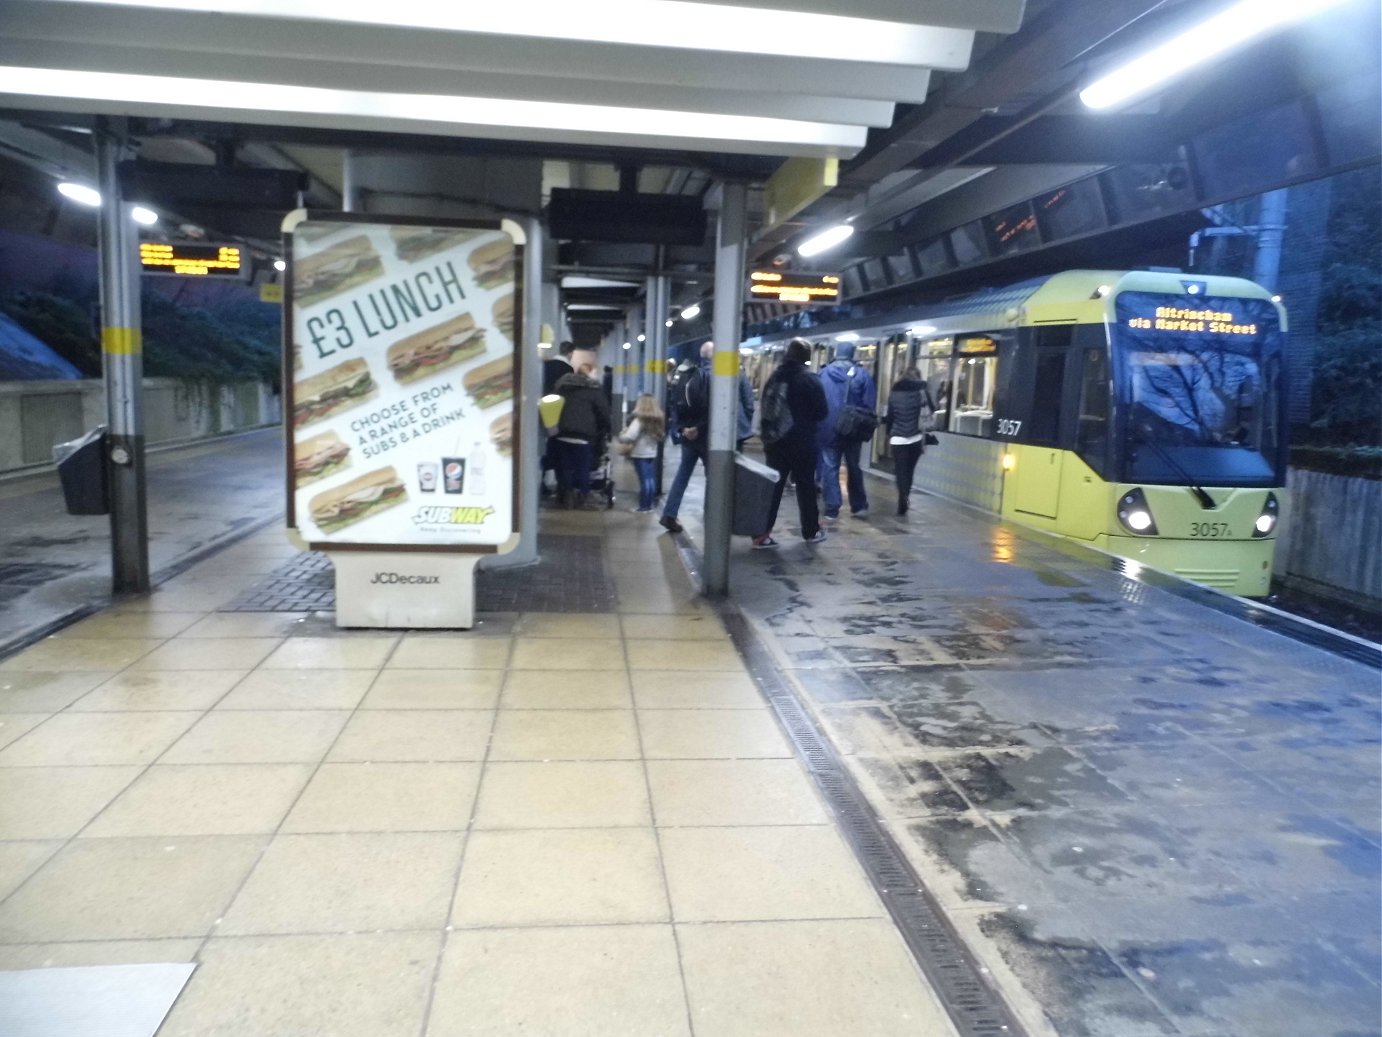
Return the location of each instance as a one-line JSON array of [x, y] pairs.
[[476, 469]]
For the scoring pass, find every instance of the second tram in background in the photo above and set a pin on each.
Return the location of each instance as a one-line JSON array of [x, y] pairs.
[[1142, 412]]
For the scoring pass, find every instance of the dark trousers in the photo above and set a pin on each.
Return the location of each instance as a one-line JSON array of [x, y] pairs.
[[797, 460], [905, 457], [573, 462]]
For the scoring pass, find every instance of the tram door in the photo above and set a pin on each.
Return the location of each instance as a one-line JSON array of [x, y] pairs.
[[892, 361], [1038, 486]]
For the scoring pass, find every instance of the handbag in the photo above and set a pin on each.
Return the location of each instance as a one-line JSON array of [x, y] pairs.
[[931, 439], [622, 448]]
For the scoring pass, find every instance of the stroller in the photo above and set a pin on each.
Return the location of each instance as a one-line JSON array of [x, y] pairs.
[[602, 478]]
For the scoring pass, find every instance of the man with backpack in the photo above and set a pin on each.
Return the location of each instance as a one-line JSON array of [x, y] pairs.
[[688, 409], [792, 405], [850, 394]]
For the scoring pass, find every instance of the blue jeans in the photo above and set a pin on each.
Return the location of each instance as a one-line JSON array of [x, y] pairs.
[[690, 454], [646, 467], [831, 457]]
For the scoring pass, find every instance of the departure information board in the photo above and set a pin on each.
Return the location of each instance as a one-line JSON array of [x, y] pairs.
[[187, 260], [792, 286]]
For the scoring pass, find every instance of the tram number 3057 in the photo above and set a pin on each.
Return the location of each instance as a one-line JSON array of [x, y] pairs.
[[1210, 529], [1008, 427]]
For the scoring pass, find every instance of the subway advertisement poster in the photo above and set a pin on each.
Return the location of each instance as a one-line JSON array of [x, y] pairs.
[[399, 381]]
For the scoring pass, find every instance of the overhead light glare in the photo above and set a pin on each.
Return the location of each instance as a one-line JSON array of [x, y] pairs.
[[280, 266], [691, 312], [145, 216], [628, 345], [1227, 29], [670, 323], [642, 338], [921, 329], [80, 193], [848, 336], [825, 239]]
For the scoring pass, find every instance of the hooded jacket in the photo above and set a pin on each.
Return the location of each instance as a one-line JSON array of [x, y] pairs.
[[903, 416], [843, 380], [585, 415], [805, 399]]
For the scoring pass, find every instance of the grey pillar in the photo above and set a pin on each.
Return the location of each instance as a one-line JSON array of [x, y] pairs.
[[1271, 230], [122, 362], [529, 444], [657, 322], [724, 395]]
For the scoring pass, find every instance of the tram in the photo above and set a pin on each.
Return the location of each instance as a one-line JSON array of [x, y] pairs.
[[1142, 412]]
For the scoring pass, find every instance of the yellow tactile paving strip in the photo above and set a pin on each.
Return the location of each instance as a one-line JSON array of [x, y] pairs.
[[555, 823]]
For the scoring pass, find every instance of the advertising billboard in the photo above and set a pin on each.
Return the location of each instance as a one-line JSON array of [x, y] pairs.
[[400, 373]]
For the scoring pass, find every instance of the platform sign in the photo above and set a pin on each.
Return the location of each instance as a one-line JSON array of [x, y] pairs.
[[400, 383], [792, 286], [187, 260]]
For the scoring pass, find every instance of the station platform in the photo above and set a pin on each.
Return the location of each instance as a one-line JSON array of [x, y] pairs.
[[928, 744]]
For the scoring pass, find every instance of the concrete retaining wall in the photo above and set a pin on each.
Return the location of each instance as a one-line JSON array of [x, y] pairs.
[[1331, 539], [35, 415]]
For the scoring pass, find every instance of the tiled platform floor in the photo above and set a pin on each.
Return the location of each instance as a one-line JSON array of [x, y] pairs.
[[553, 824]]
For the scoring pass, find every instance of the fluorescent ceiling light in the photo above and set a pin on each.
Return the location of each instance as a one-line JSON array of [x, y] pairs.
[[80, 193], [670, 323], [1227, 29], [825, 239], [591, 306], [628, 345], [438, 109], [575, 281], [691, 312], [642, 338], [645, 23], [145, 216], [280, 266]]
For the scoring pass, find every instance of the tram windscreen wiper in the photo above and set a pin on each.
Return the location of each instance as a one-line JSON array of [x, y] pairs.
[[1206, 501]]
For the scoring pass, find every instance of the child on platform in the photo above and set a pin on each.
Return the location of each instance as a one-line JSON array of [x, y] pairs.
[[644, 432]]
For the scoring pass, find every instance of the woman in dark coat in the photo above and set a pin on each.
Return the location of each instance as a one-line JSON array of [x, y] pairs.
[[580, 434], [908, 418]]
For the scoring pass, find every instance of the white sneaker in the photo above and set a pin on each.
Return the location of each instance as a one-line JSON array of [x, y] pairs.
[[818, 538]]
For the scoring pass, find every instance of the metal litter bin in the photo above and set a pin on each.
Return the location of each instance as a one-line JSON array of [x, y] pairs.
[[82, 470], [753, 494]]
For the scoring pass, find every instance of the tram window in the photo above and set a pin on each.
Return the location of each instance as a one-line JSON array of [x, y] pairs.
[[937, 371], [1047, 393], [975, 380], [1091, 437]]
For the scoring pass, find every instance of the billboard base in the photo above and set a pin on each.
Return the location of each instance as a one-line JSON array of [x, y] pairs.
[[402, 590]]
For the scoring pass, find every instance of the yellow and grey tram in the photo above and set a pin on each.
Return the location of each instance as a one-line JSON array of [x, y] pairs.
[[1142, 412]]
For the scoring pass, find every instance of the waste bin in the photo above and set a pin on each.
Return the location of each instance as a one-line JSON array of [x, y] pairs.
[[753, 493], [82, 469]]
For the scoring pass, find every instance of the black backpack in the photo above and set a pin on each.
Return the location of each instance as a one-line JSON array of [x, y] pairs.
[[689, 395], [775, 413]]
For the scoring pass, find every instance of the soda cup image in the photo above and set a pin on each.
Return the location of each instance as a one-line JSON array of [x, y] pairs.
[[453, 474], [427, 476]]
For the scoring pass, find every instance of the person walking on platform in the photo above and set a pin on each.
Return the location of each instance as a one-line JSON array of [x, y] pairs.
[[688, 396], [580, 435], [908, 419], [847, 385], [553, 370], [792, 405], [645, 431], [743, 420]]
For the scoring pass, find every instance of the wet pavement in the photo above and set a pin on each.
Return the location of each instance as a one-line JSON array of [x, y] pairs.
[[1145, 816], [52, 563]]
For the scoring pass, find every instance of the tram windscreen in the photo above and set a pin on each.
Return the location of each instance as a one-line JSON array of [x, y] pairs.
[[1200, 389]]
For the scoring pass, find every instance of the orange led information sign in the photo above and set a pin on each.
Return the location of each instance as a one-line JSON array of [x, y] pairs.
[[190, 260], [1175, 318], [772, 286]]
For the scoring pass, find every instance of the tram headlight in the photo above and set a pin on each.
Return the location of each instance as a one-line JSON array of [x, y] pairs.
[[1266, 522], [1135, 515]]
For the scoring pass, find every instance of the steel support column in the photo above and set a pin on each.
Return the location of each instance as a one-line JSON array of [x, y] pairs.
[[122, 362], [724, 395]]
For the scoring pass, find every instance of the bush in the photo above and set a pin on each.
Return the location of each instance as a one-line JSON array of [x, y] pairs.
[[1363, 462], [66, 327]]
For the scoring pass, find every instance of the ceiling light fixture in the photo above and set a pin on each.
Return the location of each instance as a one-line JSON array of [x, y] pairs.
[[691, 312], [145, 216], [826, 239], [80, 193], [1204, 42], [280, 266]]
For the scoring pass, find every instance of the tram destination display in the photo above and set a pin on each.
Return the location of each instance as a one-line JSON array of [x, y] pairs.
[[792, 286], [399, 383], [181, 259]]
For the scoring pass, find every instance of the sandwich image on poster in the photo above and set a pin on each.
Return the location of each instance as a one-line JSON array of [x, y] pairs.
[[503, 315], [501, 434], [334, 269], [413, 243], [357, 500], [316, 457], [332, 391], [492, 264], [490, 383], [448, 343]]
